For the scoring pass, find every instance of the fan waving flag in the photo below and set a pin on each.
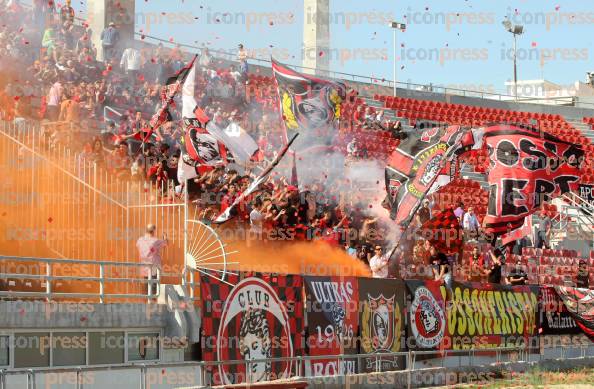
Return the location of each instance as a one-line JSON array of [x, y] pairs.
[[199, 147], [174, 85], [420, 166], [527, 169], [444, 232], [228, 214], [307, 102]]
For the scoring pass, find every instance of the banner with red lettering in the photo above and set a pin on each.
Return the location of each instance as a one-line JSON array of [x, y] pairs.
[[332, 324], [527, 168]]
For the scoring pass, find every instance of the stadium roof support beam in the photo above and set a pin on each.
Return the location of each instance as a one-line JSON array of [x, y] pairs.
[[120, 12], [316, 36]]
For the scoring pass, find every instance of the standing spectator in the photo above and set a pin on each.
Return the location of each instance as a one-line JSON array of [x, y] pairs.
[[583, 277], [459, 212], [53, 101], [424, 213], [67, 13], [149, 250], [48, 42], [379, 263], [69, 110], [205, 58], [543, 234], [242, 57], [476, 266], [256, 221], [109, 40], [471, 224], [130, 63], [494, 274]]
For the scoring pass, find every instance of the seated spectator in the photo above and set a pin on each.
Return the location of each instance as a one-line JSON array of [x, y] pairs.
[[517, 276], [583, 276]]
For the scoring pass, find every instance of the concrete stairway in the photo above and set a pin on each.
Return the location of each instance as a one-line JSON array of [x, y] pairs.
[[584, 128]]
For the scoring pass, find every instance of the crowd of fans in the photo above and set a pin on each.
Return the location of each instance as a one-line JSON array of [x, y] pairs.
[[105, 106]]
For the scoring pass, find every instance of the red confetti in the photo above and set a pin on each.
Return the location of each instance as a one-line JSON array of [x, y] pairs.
[[533, 44], [50, 219], [17, 98], [321, 53]]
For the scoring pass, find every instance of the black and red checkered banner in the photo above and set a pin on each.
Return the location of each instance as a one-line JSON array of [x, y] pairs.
[[333, 323], [444, 232], [261, 317]]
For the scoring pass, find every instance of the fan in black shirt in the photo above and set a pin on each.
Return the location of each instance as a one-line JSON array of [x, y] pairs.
[[494, 276]]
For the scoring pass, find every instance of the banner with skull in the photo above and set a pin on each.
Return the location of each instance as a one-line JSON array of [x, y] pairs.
[[381, 306], [333, 323], [261, 317]]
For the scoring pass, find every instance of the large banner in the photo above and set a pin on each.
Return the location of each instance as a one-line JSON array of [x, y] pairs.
[[527, 168], [382, 323], [260, 317], [332, 322], [475, 316], [489, 315], [555, 319]]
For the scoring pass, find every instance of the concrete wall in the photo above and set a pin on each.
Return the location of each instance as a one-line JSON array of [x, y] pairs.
[[39, 315]]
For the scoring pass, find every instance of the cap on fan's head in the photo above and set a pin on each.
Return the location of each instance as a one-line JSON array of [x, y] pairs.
[[112, 24]]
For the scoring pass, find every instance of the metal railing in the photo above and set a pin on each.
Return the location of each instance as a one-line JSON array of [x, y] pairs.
[[298, 364], [59, 204], [104, 280]]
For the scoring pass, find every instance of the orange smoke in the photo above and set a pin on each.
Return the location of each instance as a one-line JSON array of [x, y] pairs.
[[307, 258]]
